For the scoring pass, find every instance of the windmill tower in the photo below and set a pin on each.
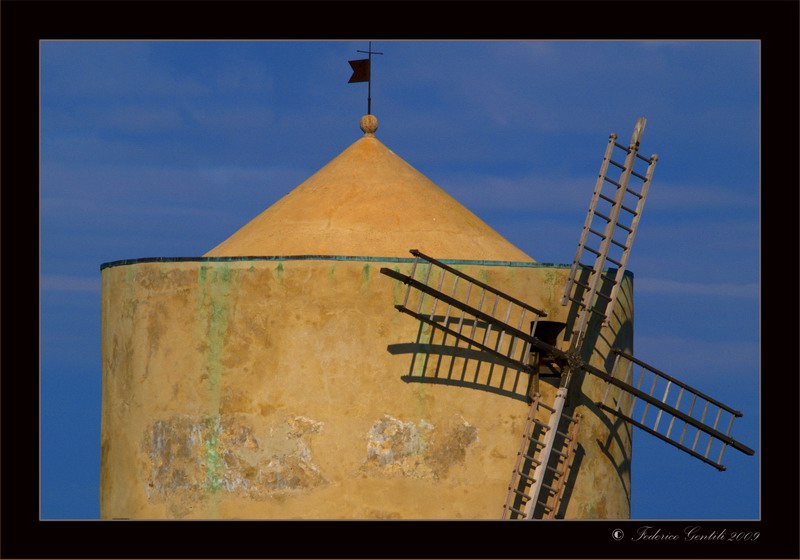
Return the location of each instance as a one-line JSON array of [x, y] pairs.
[[271, 378]]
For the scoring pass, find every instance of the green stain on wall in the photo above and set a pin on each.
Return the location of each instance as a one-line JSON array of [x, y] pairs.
[[421, 400], [551, 281], [279, 271], [424, 272], [397, 288], [213, 304], [202, 274], [421, 361], [511, 274], [365, 274], [213, 458]]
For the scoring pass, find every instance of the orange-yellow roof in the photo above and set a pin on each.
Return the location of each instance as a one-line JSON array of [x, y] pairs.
[[367, 201]]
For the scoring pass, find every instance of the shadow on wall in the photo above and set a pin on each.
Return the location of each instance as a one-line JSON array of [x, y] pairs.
[[619, 438], [439, 358]]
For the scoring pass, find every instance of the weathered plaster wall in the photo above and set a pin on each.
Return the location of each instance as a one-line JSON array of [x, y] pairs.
[[280, 389]]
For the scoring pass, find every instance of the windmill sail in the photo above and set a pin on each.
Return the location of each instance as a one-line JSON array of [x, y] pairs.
[[669, 409], [544, 461], [612, 221]]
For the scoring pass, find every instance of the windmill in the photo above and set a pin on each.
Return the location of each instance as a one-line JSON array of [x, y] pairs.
[[518, 335]]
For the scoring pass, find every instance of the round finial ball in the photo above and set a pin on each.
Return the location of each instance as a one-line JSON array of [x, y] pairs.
[[369, 124]]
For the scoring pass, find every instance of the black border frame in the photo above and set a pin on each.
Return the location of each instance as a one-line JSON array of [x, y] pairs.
[[24, 24]]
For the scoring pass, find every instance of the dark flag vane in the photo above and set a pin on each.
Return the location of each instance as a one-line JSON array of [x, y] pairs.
[[362, 73], [360, 70]]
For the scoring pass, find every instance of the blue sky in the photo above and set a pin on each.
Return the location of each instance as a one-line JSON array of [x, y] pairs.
[[166, 148]]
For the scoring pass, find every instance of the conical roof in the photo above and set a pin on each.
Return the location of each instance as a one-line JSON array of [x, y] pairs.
[[367, 201]]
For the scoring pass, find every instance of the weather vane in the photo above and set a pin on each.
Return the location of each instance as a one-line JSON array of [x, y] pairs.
[[361, 73]]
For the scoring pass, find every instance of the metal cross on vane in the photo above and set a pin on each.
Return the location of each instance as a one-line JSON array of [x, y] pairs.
[[362, 72], [550, 435]]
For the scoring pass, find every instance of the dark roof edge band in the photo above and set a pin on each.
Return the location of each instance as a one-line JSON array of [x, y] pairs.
[[329, 258], [319, 258]]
